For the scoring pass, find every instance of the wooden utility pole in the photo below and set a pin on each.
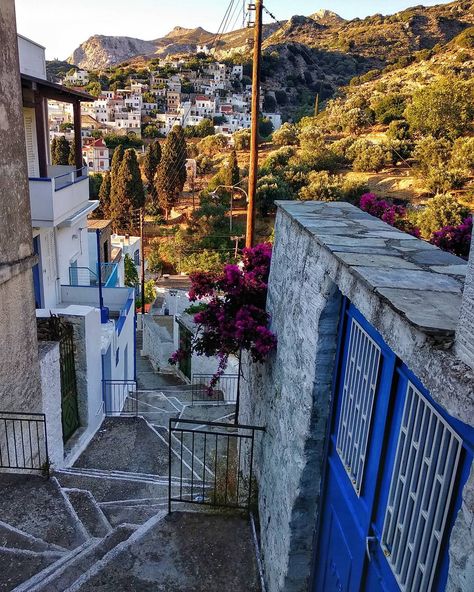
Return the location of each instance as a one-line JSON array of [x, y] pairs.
[[142, 260], [257, 55], [316, 105]]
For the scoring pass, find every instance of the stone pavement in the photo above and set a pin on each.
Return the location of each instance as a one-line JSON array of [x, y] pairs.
[[102, 524]]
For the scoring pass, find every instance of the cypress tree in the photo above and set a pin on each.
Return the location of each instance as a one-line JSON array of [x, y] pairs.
[[115, 166], [171, 173], [104, 195], [150, 165], [61, 152], [72, 154], [54, 145], [128, 195], [232, 171]]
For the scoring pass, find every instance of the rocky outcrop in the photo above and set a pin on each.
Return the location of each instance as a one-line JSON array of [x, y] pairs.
[[100, 51]]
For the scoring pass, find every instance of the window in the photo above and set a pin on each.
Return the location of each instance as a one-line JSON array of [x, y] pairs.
[[358, 393], [421, 489]]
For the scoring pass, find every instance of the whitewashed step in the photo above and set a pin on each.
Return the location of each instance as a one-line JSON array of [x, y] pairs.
[[58, 576], [89, 512]]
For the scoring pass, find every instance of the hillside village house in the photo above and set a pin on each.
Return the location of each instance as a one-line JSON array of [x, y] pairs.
[[71, 279], [96, 155]]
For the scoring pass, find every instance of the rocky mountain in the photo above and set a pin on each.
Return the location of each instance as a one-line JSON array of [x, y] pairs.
[[100, 51], [327, 17]]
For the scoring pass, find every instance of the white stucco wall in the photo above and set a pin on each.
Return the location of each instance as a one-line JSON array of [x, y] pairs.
[[51, 389]]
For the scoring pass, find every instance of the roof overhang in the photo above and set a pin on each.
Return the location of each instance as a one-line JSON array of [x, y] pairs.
[[53, 91]]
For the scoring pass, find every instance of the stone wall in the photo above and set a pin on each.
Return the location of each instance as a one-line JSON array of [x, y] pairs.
[[20, 384], [51, 387], [411, 293], [465, 332], [158, 341]]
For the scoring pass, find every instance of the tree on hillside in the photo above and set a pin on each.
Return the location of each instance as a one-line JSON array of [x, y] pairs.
[[60, 151], [104, 195], [232, 171], [128, 194], [444, 108], [171, 172], [150, 165], [115, 167]]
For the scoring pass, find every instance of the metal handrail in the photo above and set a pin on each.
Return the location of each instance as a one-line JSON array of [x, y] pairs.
[[23, 441]]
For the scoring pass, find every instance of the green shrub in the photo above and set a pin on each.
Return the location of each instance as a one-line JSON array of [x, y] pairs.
[[366, 156], [287, 135], [242, 139], [443, 109], [389, 107], [442, 210], [440, 166], [269, 189], [466, 38]]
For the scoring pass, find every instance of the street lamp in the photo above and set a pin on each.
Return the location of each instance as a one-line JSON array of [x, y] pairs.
[[232, 188]]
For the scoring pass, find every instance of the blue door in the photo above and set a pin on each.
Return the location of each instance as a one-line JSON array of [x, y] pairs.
[[393, 476], [37, 275]]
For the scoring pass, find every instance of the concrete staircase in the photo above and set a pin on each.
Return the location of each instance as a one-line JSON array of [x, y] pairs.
[[102, 524]]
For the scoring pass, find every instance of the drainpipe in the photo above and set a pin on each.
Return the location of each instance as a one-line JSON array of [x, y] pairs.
[[104, 311]]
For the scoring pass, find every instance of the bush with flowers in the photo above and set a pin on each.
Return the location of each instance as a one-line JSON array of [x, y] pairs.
[[232, 315], [392, 214]]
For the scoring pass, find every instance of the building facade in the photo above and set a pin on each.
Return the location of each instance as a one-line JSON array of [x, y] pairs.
[[365, 470]]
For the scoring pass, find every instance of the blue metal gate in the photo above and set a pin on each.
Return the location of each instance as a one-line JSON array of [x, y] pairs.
[[395, 468]]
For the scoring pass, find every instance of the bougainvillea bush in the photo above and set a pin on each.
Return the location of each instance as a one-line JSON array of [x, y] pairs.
[[390, 213], [232, 315], [455, 239]]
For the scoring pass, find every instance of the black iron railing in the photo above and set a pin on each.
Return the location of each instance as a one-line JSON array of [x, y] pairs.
[[211, 463], [23, 441], [224, 391], [120, 397]]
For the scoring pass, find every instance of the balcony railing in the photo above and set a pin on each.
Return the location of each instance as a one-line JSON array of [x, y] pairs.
[[59, 196], [84, 276], [62, 176]]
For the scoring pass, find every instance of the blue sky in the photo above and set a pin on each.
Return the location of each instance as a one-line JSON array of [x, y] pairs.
[[61, 25]]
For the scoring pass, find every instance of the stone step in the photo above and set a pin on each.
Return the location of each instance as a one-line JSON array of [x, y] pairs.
[[135, 513], [61, 574], [16, 565], [14, 538], [89, 512], [181, 552], [120, 550], [37, 507]]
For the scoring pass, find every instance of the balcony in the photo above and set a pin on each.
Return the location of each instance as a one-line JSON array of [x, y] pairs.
[[118, 301], [84, 276], [60, 197]]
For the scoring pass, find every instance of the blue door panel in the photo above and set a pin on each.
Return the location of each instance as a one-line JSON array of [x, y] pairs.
[[349, 554]]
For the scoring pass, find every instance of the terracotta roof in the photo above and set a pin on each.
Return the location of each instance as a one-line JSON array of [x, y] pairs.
[[98, 224]]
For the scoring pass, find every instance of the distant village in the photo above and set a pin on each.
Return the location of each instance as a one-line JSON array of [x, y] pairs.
[[158, 104]]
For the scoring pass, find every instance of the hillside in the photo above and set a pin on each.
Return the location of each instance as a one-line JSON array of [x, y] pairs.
[[379, 39], [100, 51]]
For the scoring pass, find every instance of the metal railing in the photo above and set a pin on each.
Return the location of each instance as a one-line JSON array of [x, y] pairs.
[[23, 441], [84, 276], [224, 391], [69, 178], [211, 464], [120, 397]]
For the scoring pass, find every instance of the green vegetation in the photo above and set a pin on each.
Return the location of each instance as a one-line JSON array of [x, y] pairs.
[[171, 172], [128, 194]]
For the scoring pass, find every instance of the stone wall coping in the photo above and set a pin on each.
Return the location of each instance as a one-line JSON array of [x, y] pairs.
[[419, 281]]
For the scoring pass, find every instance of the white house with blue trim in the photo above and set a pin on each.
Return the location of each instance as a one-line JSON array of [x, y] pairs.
[[365, 471], [73, 278]]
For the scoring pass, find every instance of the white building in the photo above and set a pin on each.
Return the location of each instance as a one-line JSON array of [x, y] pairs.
[[78, 78], [65, 283], [96, 155]]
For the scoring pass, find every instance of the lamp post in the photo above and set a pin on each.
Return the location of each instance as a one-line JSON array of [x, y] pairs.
[[232, 188]]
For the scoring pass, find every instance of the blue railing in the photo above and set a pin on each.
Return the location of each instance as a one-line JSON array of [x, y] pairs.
[[124, 312]]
